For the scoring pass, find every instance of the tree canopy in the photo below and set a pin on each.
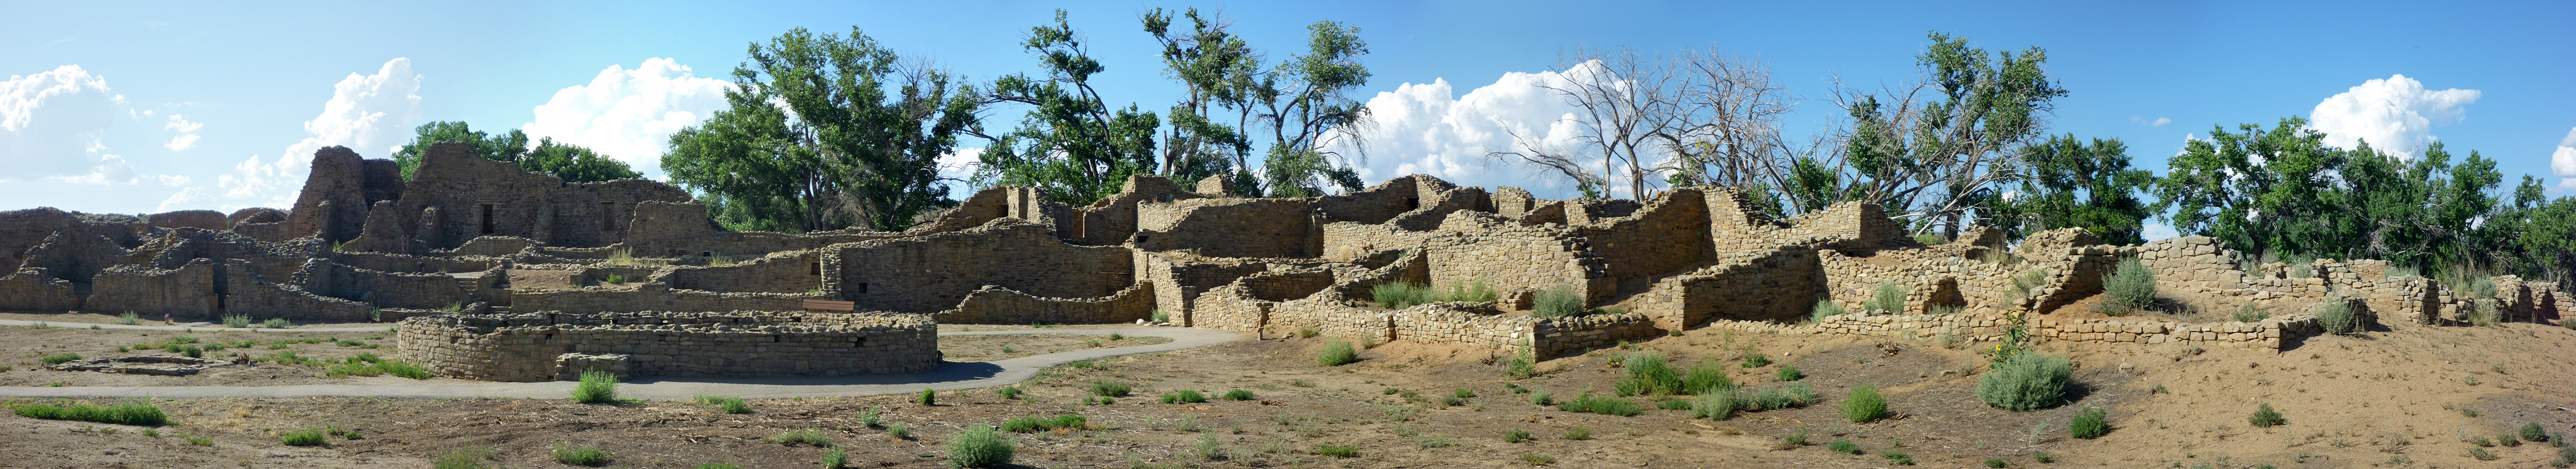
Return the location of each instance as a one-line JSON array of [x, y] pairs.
[[572, 163]]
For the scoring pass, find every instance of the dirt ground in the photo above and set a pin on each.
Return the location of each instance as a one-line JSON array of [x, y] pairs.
[[2412, 397]]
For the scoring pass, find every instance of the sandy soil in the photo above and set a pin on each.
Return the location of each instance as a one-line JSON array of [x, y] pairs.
[[2402, 398]]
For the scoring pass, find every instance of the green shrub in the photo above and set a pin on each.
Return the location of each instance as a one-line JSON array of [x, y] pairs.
[[1897, 457], [927, 397], [1716, 404], [2532, 432], [1398, 294], [1771, 399], [1791, 373], [899, 431], [1578, 434], [1184, 396], [2027, 381], [2043, 458], [1107, 388], [59, 358], [1601, 405], [1864, 405], [836, 458], [1337, 353], [1824, 308], [1890, 299], [1929, 239], [597, 387], [580, 455], [2265, 417], [1707, 376], [1793, 439], [305, 437], [1520, 367], [2251, 313], [470, 457], [1843, 446], [2088, 424], [1338, 451], [1541, 398], [1516, 436], [2130, 287], [127, 413], [403, 369], [2336, 316], [873, 417], [129, 318], [979, 447], [1997, 463], [277, 323], [1237, 395], [237, 321], [1463, 393], [1556, 302], [2482, 454], [1161, 316], [1648, 374], [1755, 358], [1009, 392], [809, 437]]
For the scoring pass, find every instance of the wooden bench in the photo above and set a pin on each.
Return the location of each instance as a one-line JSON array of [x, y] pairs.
[[829, 305]]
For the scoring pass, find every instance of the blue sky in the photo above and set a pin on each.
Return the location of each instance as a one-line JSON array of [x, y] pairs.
[[86, 118]]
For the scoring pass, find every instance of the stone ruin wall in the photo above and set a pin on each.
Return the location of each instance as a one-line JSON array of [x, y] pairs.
[[933, 273], [528, 347], [997, 305], [651, 297]]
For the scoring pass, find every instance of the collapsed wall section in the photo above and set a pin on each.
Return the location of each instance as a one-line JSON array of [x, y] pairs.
[[651, 297], [1782, 286], [997, 305], [530, 347], [1231, 227]]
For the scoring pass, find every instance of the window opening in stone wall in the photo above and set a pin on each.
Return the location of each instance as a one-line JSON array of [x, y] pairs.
[[607, 216], [1140, 239], [863, 287], [1412, 203], [487, 218], [814, 270], [706, 254]]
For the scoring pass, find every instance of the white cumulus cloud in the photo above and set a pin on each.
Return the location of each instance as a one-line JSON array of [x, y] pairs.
[[1429, 129], [368, 113], [630, 114], [187, 137], [50, 124], [2563, 162], [2396, 114]]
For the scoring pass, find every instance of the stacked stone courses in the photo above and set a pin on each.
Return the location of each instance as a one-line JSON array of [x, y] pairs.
[[471, 243], [525, 347]]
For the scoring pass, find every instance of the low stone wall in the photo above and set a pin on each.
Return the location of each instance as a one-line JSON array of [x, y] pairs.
[[1988, 327], [652, 297], [32, 289], [187, 292], [997, 305], [526, 347], [1563, 337]]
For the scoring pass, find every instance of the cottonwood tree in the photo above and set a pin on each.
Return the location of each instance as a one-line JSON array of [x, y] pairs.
[[572, 163], [2076, 184], [1308, 105], [1935, 152], [824, 132], [1219, 72], [1071, 142], [1627, 108]]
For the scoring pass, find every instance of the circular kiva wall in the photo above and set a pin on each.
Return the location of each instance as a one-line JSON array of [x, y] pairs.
[[546, 346]]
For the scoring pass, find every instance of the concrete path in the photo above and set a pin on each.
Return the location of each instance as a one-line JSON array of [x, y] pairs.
[[194, 326], [949, 376]]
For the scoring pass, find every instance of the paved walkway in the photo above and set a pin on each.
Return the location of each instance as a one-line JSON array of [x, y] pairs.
[[949, 376], [193, 326]]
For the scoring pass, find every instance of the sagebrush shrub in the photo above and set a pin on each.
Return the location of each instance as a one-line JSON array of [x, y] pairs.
[[2028, 381], [1107, 388], [1237, 395], [1823, 309], [2336, 316], [1337, 353], [305, 437], [597, 387], [979, 447], [927, 397], [1601, 405], [1707, 376], [1557, 301], [1864, 404], [2532, 432], [2130, 287], [2265, 417], [2089, 424], [809, 437], [1843, 446], [1715, 404], [581, 455], [1648, 374], [1890, 299]]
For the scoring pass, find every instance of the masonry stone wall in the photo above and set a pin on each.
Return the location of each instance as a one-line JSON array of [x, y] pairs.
[[928, 274], [2270, 334], [782, 272], [475, 197], [1520, 259], [31, 289], [524, 347], [651, 297], [1782, 286], [185, 292], [247, 294], [997, 305], [1230, 227], [1665, 235]]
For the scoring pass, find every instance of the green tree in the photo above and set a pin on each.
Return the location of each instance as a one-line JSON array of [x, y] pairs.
[[1940, 158], [1308, 104], [1219, 72], [572, 163], [2258, 190], [824, 132], [1071, 143], [2076, 184]]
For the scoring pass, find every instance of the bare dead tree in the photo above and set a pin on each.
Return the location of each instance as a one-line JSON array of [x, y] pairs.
[[1623, 100]]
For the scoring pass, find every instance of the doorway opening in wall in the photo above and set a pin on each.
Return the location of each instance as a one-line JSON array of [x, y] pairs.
[[608, 216], [814, 270], [863, 287], [1411, 203], [487, 218]]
